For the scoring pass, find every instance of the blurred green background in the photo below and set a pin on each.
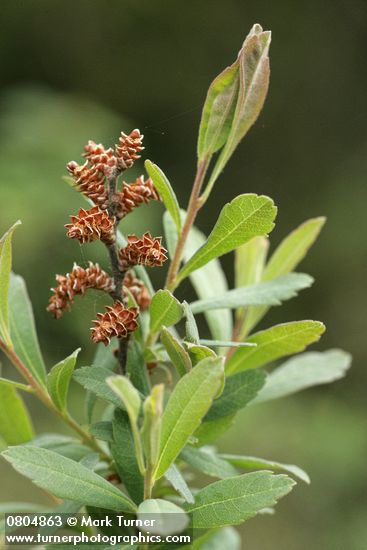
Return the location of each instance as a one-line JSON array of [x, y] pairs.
[[82, 69]]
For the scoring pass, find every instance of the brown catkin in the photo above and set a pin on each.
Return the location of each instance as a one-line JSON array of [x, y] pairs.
[[118, 321], [146, 251], [89, 181], [91, 225], [128, 148], [138, 290], [133, 195]]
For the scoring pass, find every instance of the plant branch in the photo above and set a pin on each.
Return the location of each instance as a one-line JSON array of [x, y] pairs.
[[192, 210], [41, 392]]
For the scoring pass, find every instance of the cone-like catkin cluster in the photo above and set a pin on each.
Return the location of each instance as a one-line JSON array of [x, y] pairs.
[[91, 225], [133, 195], [117, 321], [138, 290], [89, 181], [77, 282], [145, 251], [128, 148]]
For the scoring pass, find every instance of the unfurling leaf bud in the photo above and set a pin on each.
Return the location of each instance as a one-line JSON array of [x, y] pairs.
[[77, 282], [146, 251], [117, 321], [91, 225], [128, 148]]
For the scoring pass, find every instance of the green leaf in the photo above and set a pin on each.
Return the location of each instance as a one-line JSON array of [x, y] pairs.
[[198, 352], [176, 352], [166, 192], [254, 463], [247, 216], [270, 293], [58, 380], [253, 78], [218, 111], [234, 500], [94, 380], [250, 261], [16, 385], [165, 310], [208, 462], [130, 397], [304, 371], [5, 268], [151, 429], [15, 423], [238, 391], [208, 432], [225, 343], [227, 537], [170, 232], [103, 357], [192, 332], [209, 281], [165, 518], [286, 257], [187, 405], [61, 444], [275, 342], [102, 430], [123, 451], [175, 478], [136, 368], [23, 331], [65, 478]]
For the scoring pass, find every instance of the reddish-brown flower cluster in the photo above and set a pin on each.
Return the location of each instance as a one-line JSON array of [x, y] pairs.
[[133, 195], [97, 178], [145, 251], [77, 282], [117, 321], [138, 290], [91, 225]]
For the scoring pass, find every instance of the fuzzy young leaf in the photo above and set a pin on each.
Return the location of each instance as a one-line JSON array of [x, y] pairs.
[[151, 429], [253, 85], [158, 512], [209, 281], [304, 371], [275, 342], [254, 463], [234, 500], [5, 268], [94, 380], [239, 389], [123, 451], [208, 462], [23, 330], [198, 352], [270, 293], [166, 192], [176, 352], [102, 430], [65, 478], [175, 478], [247, 216], [165, 310], [192, 331], [15, 423], [187, 405], [58, 380]]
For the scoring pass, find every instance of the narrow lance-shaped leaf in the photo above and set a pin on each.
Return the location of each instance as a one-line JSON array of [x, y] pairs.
[[58, 380], [227, 537], [166, 192], [15, 423], [254, 73], [130, 397], [187, 405], [254, 463], [23, 330], [163, 517], [5, 268], [208, 462], [192, 332], [209, 281], [275, 342], [94, 380], [233, 500], [247, 216], [269, 293], [66, 478], [165, 309], [151, 429], [285, 258], [176, 352], [304, 371], [176, 479]]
